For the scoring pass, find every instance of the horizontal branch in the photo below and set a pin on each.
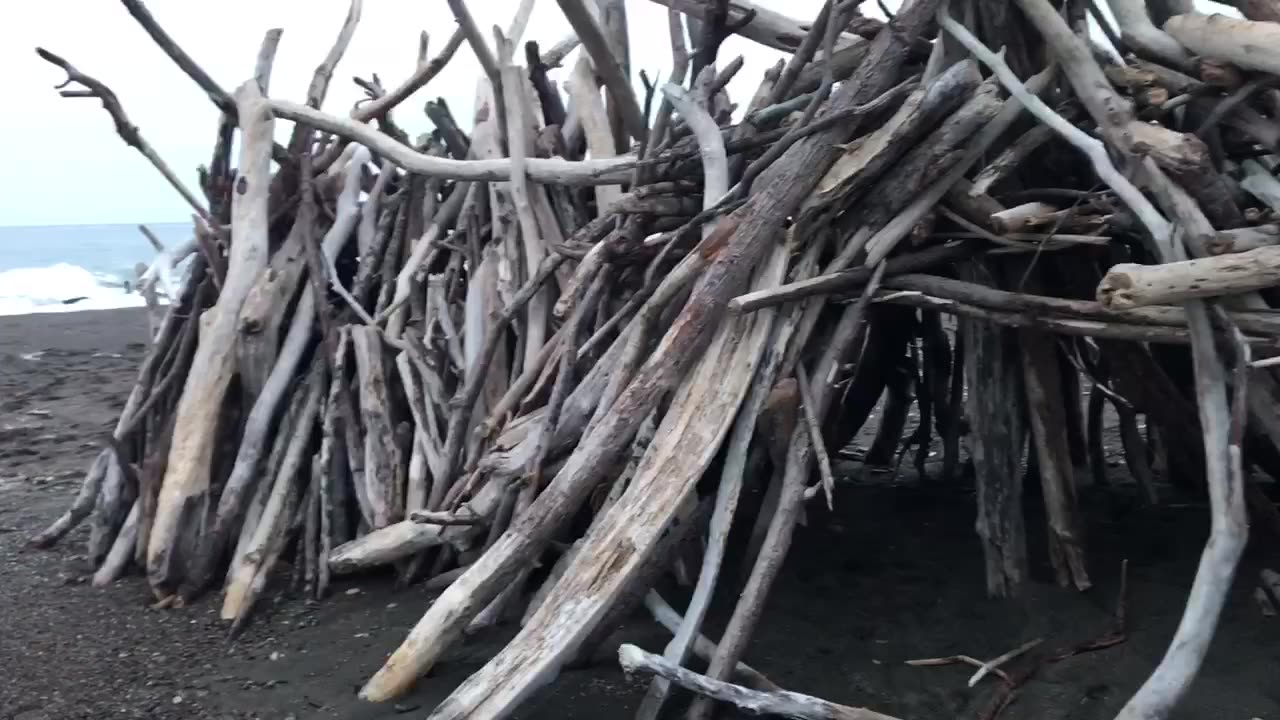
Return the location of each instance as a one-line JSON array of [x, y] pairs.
[[847, 280], [545, 170], [1129, 285]]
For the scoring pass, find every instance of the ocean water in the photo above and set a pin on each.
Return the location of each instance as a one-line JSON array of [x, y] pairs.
[[67, 268]]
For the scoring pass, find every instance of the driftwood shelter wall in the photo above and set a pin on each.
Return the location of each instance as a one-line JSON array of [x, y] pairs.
[[572, 335]]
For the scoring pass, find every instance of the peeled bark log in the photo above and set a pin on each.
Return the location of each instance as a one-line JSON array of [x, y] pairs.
[[1247, 43], [406, 538], [184, 493], [383, 465], [1128, 285]]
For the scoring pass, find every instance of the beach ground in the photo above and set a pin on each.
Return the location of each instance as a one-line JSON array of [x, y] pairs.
[[894, 574]]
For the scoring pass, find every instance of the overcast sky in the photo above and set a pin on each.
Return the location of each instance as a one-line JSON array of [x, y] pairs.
[[65, 164]]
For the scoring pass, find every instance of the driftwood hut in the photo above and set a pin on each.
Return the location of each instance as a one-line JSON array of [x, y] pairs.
[[569, 333]]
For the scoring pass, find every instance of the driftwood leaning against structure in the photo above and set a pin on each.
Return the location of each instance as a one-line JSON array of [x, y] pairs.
[[532, 338]]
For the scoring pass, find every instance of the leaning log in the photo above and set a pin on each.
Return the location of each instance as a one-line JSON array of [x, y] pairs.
[[184, 492]]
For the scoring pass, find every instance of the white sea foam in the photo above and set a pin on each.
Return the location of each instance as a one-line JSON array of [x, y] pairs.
[[62, 288]]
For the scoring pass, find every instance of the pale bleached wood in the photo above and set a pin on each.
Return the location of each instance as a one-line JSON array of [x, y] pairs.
[[686, 635], [184, 492], [459, 202], [124, 127], [699, 418], [610, 68], [267, 58], [424, 437], [1260, 183], [1222, 422], [584, 93], [1092, 147], [406, 538], [538, 311], [1139, 33], [241, 586], [121, 553], [1250, 44], [729, 256], [715, 185], [323, 74], [261, 420], [1129, 285], [260, 321], [229, 105], [767, 26], [703, 647], [780, 702], [715, 164], [609, 171], [383, 465]]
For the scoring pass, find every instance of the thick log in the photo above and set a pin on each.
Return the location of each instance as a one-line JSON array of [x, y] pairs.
[[1129, 285], [406, 538], [384, 465], [995, 411], [1247, 43], [184, 493]]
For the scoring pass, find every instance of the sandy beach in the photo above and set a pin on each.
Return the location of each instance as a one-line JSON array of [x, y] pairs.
[[855, 601]]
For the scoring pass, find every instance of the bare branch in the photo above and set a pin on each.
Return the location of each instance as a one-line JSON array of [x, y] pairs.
[[124, 128]]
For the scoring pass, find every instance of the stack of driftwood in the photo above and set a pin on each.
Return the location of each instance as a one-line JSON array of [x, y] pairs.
[[524, 362]]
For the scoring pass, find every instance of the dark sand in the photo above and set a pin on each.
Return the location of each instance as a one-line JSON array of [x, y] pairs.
[[896, 574]]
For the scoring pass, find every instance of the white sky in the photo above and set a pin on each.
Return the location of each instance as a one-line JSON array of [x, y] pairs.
[[65, 164]]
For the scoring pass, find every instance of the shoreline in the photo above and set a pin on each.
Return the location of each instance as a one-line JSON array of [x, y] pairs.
[[113, 330]]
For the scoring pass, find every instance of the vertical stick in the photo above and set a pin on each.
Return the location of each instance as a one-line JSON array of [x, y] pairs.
[[995, 413], [1040, 372]]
